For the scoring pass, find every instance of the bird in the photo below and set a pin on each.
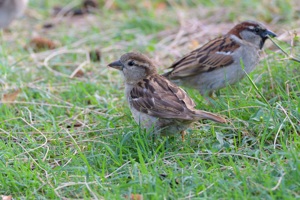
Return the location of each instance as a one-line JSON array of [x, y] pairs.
[[10, 10], [222, 61], [156, 103]]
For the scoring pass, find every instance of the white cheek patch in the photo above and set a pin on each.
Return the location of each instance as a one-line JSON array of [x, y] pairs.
[[228, 53], [251, 27]]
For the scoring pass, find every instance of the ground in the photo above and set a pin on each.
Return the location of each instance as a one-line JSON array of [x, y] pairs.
[[66, 131]]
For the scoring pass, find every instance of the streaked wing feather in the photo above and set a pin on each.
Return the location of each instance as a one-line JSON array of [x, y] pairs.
[[159, 97], [213, 55]]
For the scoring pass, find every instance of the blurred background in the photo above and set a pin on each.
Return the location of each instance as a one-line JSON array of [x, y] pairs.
[[163, 29]]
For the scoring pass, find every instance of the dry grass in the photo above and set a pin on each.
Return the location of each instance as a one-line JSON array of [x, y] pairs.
[[70, 137]]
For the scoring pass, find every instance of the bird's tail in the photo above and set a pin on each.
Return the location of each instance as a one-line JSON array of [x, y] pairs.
[[207, 115]]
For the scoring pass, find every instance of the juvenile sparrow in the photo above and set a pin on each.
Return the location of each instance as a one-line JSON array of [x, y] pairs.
[[221, 61], [154, 101], [11, 9]]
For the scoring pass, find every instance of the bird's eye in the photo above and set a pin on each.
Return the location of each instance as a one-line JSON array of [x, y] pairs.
[[131, 63], [256, 29]]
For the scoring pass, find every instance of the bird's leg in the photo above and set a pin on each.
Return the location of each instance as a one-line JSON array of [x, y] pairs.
[[212, 95], [210, 98], [182, 135]]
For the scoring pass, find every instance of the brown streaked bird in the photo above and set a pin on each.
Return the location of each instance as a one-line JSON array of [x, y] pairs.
[[10, 10], [222, 61], [154, 101]]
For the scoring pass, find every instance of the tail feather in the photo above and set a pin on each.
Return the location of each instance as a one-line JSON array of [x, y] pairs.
[[207, 115]]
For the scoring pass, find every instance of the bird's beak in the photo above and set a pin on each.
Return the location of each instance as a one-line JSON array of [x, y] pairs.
[[268, 33], [117, 65]]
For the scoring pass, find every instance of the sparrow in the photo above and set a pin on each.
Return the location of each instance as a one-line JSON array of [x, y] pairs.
[[11, 9], [155, 102], [222, 61]]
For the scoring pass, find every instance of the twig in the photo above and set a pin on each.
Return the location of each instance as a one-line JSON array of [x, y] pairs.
[[216, 154], [256, 89], [279, 129], [54, 54], [61, 106], [288, 117], [109, 175], [79, 68], [278, 183], [202, 191], [270, 189]]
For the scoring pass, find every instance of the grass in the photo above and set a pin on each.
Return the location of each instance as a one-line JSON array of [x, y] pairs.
[[74, 138]]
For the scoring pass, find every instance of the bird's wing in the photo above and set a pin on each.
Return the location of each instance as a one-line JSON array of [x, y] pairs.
[[213, 55], [158, 97]]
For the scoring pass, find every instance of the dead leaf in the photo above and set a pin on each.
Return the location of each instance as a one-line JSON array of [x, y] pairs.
[[75, 125], [6, 197], [161, 6], [41, 43], [87, 7], [48, 25], [10, 97], [135, 197], [95, 55], [57, 10], [90, 4], [79, 73]]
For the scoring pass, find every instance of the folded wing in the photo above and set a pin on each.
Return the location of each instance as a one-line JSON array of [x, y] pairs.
[[213, 55], [159, 97]]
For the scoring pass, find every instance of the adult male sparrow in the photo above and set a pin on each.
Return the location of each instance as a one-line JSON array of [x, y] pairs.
[[11, 9], [223, 60], [154, 101]]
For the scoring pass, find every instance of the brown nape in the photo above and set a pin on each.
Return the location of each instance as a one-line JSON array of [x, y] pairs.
[[236, 30], [240, 27]]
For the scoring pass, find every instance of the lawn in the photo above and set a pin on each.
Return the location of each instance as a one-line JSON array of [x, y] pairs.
[[66, 131]]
